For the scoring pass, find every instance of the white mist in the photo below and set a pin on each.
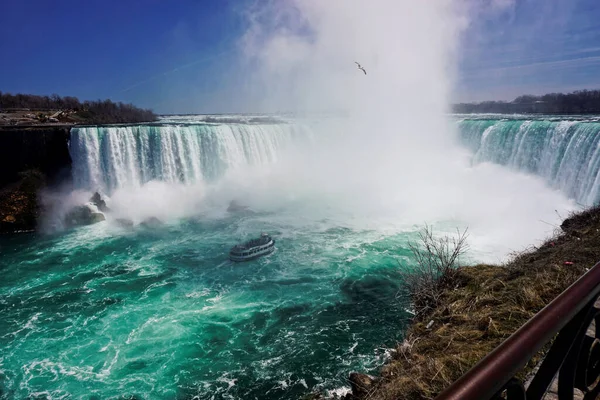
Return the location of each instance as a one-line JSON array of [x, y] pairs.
[[383, 153], [393, 160]]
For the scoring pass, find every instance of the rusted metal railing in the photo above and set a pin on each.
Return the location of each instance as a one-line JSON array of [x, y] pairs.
[[574, 355]]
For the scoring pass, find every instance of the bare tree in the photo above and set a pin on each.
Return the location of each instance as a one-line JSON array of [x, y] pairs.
[[435, 269]]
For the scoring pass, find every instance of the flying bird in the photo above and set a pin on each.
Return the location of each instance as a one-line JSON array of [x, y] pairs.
[[360, 67]]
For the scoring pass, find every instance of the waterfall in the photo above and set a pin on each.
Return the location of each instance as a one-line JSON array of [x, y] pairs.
[[566, 153], [108, 158]]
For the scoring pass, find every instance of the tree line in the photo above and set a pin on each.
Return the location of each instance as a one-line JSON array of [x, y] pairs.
[[578, 102], [96, 112]]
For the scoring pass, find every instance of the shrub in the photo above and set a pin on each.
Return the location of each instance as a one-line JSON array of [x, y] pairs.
[[435, 269]]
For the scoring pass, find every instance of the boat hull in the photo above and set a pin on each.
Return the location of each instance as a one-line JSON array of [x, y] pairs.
[[260, 253]]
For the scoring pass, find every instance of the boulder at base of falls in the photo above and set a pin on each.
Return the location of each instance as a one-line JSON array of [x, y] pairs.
[[237, 208], [234, 206], [83, 215], [151, 222], [124, 222], [99, 202]]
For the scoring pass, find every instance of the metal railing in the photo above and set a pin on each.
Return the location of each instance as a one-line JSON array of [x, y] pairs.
[[574, 355]]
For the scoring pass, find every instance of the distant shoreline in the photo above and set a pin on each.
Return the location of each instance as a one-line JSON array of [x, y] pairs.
[[582, 102], [28, 109]]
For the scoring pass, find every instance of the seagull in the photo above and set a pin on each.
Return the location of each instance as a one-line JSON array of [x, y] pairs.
[[360, 67]]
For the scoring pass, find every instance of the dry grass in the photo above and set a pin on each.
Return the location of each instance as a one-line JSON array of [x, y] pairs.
[[486, 306]]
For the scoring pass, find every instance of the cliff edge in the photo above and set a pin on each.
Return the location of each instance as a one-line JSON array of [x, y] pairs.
[[30, 158]]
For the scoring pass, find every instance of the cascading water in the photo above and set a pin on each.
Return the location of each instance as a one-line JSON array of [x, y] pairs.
[[110, 158], [566, 153]]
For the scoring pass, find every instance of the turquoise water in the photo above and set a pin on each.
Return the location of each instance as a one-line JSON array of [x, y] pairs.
[[160, 313]]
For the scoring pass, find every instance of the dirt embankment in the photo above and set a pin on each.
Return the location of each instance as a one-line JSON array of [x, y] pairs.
[[487, 304]]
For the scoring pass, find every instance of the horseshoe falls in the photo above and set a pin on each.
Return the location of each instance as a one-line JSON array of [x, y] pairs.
[[565, 153], [110, 158], [152, 308]]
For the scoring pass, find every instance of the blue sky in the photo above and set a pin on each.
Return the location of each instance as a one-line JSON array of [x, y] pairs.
[[154, 53], [533, 47], [180, 56]]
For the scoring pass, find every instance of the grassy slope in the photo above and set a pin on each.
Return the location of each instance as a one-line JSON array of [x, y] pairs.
[[486, 306]]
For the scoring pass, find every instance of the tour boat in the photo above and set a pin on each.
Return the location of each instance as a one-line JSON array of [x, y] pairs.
[[253, 249]]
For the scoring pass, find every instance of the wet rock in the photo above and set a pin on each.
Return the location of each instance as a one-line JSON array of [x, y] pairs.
[[96, 217], [234, 206], [99, 202], [83, 215], [361, 385], [237, 208], [124, 222], [151, 222]]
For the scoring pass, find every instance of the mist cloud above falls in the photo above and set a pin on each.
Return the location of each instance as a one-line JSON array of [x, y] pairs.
[[388, 159], [304, 53], [395, 152]]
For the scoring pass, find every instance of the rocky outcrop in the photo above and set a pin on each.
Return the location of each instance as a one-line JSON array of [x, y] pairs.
[[45, 149], [19, 205], [236, 208], [124, 222], [151, 222], [362, 385], [99, 202], [87, 214], [83, 215], [30, 158]]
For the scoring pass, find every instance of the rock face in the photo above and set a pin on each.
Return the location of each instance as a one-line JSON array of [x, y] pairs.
[[29, 159], [82, 215], [151, 222], [19, 205], [97, 200], [236, 208], [45, 149], [361, 385], [124, 222]]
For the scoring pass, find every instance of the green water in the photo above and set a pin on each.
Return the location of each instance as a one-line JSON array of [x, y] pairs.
[[103, 311]]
